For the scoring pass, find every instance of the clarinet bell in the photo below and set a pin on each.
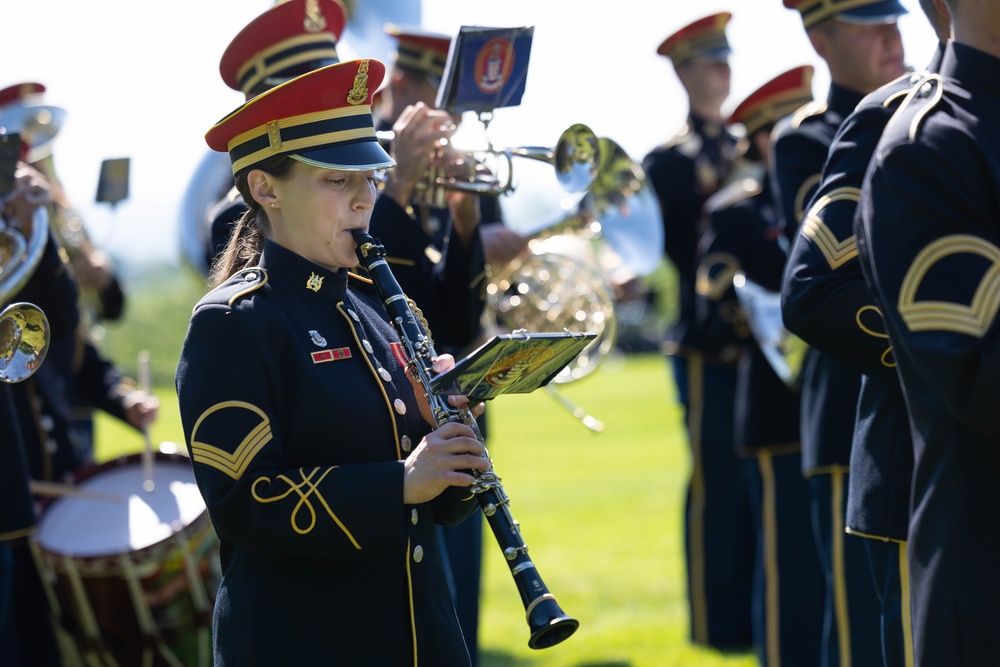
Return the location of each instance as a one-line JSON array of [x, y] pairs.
[[548, 623]]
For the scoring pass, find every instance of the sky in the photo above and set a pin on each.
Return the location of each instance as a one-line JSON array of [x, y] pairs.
[[141, 80]]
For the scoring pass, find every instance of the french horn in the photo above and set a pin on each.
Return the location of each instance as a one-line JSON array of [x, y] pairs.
[[567, 278]]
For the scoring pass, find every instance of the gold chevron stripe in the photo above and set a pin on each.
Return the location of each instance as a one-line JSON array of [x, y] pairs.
[[973, 319], [802, 197], [837, 252], [233, 464]]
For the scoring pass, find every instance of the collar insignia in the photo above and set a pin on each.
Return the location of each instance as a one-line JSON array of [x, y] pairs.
[[314, 283], [317, 340]]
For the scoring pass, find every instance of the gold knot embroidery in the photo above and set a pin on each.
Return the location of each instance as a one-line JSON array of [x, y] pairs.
[[304, 490]]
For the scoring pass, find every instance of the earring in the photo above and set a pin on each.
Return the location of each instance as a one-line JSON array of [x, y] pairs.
[[272, 204]]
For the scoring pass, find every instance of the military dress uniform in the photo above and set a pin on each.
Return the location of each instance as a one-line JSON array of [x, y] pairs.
[[788, 580], [743, 237], [684, 173], [37, 444], [929, 232], [829, 387], [828, 303], [298, 414]]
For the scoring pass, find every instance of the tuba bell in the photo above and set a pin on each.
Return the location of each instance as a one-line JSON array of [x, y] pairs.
[[24, 329]]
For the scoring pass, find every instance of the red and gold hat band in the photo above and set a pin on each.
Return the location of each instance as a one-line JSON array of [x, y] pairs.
[[424, 60], [814, 11], [286, 54], [295, 134]]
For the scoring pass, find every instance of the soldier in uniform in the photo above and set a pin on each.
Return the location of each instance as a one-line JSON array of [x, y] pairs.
[[318, 463], [831, 307], [684, 173], [929, 237], [288, 39], [26, 630], [78, 379], [743, 238], [861, 45]]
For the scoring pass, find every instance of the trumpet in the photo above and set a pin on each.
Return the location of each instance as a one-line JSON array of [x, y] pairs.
[[548, 623], [575, 158]]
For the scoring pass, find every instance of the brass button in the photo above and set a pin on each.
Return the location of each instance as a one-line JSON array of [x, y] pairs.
[[385, 375], [418, 553], [413, 516], [406, 443], [400, 406]]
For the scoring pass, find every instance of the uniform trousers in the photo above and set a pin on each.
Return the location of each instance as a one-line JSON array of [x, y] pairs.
[[27, 638], [889, 569], [719, 536], [462, 547], [788, 580], [851, 624]]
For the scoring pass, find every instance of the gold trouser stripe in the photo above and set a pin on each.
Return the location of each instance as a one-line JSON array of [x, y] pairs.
[[696, 511], [772, 583], [839, 574], [413, 611], [904, 604]]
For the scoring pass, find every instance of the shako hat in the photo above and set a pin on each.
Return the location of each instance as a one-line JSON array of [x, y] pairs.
[[779, 97], [849, 11], [289, 39], [419, 49], [705, 39], [323, 118]]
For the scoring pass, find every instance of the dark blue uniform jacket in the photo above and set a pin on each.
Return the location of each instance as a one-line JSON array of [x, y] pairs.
[[298, 416], [930, 216]]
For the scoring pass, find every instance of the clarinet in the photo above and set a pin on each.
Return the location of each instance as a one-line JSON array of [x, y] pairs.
[[548, 623]]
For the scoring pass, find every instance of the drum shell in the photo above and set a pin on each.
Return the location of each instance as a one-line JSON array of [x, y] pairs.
[[96, 588]]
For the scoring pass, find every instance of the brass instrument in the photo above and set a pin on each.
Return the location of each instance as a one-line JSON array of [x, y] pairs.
[[575, 159], [24, 329], [567, 279], [37, 124], [548, 623]]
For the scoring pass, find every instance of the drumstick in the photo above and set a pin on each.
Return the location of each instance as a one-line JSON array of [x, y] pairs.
[[40, 488], [147, 452]]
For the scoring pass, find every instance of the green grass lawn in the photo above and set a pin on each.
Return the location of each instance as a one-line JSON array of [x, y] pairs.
[[601, 513]]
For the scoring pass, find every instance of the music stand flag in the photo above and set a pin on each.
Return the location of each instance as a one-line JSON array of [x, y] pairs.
[[486, 69]]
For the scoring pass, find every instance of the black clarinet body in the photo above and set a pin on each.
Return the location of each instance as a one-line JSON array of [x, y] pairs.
[[548, 623]]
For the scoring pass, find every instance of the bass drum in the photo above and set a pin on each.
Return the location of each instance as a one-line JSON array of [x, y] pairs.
[[133, 573]]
